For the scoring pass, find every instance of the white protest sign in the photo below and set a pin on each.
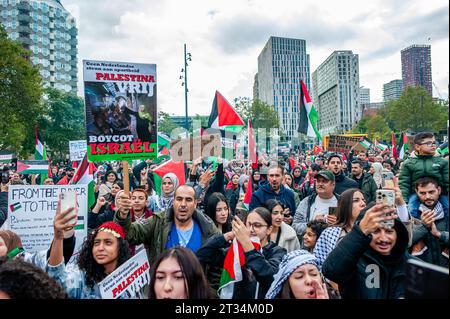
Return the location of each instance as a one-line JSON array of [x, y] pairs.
[[77, 150], [31, 210], [130, 278]]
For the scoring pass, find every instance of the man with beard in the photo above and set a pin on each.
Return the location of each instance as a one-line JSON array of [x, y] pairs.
[[274, 189], [316, 205], [69, 175], [180, 225], [430, 239], [343, 183]]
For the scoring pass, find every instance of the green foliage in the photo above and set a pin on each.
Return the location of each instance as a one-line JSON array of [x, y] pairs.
[[165, 123], [416, 111], [262, 114], [375, 126], [64, 121], [20, 96]]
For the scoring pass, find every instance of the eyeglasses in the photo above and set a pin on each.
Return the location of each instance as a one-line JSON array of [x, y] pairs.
[[429, 144], [255, 225]]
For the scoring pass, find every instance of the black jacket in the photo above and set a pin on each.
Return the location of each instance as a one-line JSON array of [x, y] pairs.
[[368, 187], [353, 264], [3, 207], [258, 267], [343, 183]]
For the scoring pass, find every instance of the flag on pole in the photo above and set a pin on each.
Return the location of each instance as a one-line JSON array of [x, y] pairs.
[[402, 146], [365, 143], [84, 175], [232, 268], [224, 116], [40, 152], [168, 167], [394, 147], [308, 114]]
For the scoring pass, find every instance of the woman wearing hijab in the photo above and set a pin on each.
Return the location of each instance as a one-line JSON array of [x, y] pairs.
[[169, 184], [377, 168]]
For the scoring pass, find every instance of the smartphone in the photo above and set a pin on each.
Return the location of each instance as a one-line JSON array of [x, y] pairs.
[[386, 196], [332, 211], [68, 200], [388, 179]]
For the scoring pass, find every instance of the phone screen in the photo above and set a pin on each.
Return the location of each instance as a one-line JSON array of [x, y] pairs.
[[332, 211], [68, 200]]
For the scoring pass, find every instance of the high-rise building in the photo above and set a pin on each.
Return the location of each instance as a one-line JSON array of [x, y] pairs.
[[49, 32], [281, 65], [416, 67], [336, 92], [392, 90], [364, 95], [255, 87]]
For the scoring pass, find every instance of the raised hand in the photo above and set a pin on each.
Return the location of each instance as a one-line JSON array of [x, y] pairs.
[[373, 219]]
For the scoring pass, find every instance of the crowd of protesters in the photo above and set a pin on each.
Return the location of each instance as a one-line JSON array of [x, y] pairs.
[[315, 217]]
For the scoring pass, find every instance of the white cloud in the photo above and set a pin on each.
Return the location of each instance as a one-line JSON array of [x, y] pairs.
[[226, 37]]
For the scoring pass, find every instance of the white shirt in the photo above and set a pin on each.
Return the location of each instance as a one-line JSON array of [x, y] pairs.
[[320, 206]]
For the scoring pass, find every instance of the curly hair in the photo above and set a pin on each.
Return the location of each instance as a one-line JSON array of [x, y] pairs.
[[22, 280], [95, 272]]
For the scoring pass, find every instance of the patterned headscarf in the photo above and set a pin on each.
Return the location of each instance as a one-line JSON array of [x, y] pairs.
[[288, 265]]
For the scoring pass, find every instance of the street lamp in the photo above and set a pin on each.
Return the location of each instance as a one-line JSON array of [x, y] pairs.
[[187, 57]]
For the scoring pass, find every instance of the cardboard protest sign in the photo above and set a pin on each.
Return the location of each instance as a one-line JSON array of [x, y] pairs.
[[343, 144], [121, 111], [129, 279], [188, 149], [77, 150], [31, 210]]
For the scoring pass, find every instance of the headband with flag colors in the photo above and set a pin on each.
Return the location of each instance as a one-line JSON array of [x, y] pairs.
[[232, 268], [308, 115]]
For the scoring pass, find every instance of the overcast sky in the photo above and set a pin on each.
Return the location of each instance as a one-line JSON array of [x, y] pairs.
[[226, 37]]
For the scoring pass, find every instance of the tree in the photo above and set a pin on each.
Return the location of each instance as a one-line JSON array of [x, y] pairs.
[[262, 114], [416, 111], [64, 121], [165, 123], [20, 96], [375, 126]]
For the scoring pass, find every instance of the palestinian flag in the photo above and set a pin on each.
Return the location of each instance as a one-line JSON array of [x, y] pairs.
[[232, 268], [6, 157], [365, 143], [394, 147], [84, 175], [380, 146], [248, 194], [402, 146], [32, 167], [308, 114], [168, 167], [224, 116], [252, 156], [15, 206], [40, 152], [163, 144]]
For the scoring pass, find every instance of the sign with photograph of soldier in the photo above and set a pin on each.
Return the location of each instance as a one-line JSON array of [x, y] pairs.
[[121, 111]]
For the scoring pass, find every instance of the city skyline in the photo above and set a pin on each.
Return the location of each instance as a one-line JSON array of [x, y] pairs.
[[226, 39]]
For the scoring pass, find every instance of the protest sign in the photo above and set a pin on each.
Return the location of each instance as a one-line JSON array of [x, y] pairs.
[[121, 111], [77, 150], [343, 144], [129, 279], [189, 149], [31, 210]]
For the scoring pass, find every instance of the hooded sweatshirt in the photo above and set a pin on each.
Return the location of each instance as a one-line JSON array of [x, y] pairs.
[[353, 264], [265, 192]]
